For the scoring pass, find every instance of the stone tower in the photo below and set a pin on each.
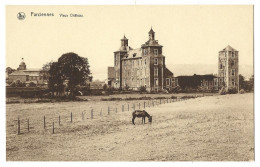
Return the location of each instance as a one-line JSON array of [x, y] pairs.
[[152, 51], [228, 63], [118, 55]]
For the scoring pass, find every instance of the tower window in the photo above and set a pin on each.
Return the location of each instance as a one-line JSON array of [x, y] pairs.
[[232, 62], [233, 82], [156, 81], [144, 61], [233, 54], [144, 52], [221, 66], [233, 72], [155, 61], [155, 71], [156, 52]]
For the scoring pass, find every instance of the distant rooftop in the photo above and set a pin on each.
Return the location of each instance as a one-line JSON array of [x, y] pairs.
[[229, 48]]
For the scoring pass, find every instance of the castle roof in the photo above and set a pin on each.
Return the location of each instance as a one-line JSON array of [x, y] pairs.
[[135, 53], [229, 48], [18, 73]]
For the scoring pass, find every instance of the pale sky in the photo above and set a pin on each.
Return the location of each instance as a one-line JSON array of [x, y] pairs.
[[189, 34]]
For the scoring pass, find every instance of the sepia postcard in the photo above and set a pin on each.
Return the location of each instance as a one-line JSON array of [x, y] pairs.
[[125, 83]]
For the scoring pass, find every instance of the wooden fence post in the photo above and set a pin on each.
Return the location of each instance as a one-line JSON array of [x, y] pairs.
[[71, 117], [91, 113], [128, 107], [82, 115], [59, 119], [139, 105], [44, 124], [160, 101], [144, 104], [28, 127], [18, 127], [122, 108], [53, 127], [108, 110]]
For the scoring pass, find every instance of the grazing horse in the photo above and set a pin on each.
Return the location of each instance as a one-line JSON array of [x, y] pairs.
[[141, 113]]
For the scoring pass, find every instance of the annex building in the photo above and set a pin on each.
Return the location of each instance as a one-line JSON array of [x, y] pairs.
[[140, 67], [26, 75], [227, 77]]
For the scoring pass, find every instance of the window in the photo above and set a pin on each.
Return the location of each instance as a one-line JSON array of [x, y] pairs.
[[167, 81], [233, 72], [221, 66], [233, 54], [144, 61], [144, 52], [233, 82], [232, 62], [156, 81], [155, 71], [155, 52], [155, 61]]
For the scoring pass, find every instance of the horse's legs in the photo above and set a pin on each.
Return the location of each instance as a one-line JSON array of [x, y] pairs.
[[133, 120]]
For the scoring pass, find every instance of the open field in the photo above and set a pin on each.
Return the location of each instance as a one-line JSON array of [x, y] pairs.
[[212, 128]]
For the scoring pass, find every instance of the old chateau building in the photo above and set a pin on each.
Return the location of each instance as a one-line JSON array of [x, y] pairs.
[[25, 75], [144, 66], [228, 68]]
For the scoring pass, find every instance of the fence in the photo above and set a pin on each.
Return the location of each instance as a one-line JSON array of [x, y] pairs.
[[25, 126]]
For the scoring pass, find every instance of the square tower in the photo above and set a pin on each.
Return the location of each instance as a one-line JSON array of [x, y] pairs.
[[228, 68]]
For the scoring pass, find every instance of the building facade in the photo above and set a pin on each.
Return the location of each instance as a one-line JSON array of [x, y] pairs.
[[141, 67], [27, 75], [228, 73]]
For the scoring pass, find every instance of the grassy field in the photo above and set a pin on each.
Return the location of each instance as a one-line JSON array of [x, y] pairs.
[[212, 128]]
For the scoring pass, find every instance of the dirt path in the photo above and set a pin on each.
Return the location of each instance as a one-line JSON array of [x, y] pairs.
[[215, 128]]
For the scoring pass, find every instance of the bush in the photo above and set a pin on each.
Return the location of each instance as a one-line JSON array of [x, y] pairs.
[[32, 84], [142, 89], [242, 91], [232, 91], [222, 91]]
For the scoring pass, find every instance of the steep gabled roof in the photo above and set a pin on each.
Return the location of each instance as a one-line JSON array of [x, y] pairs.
[[151, 31], [168, 72]]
